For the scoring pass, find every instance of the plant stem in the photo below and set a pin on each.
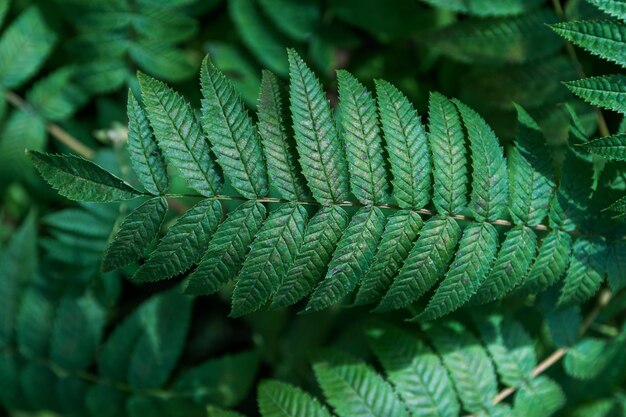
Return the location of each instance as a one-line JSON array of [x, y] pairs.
[[55, 130], [603, 128]]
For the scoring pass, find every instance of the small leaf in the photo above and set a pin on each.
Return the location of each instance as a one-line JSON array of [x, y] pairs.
[[426, 262], [361, 134], [407, 146], [282, 164], [135, 233], [184, 243], [179, 136], [231, 131], [540, 397], [350, 260], [320, 240], [604, 38], [78, 179], [608, 91], [608, 147], [145, 155], [550, 263], [585, 273], [227, 249], [278, 399], [321, 152], [271, 254], [473, 260]]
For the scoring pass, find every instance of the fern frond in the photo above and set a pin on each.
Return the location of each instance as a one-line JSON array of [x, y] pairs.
[[426, 262], [183, 244], [361, 134], [608, 91], [271, 255], [227, 249], [282, 165], [407, 146], [278, 399], [353, 388], [135, 233], [179, 136], [350, 260], [78, 179], [321, 152], [231, 132], [474, 258], [604, 38], [416, 372], [145, 155], [396, 242], [320, 239]]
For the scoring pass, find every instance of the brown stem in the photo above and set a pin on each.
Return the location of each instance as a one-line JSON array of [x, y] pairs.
[[55, 130]]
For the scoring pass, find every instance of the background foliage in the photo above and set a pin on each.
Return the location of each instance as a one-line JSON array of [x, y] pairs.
[[78, 341]]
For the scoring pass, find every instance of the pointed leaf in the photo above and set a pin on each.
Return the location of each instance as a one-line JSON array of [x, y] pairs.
[[231, 131], [604, 38], [585, 273], [227, 249], [609, 147], [550, 263], [145, 155], [271, 254], [184, 243], [608, 91], [351, 259], [78, 179], [179, 136], [283, 167], [321, 152], [407, 146], [135, 233], [320, 240], [278, 399]]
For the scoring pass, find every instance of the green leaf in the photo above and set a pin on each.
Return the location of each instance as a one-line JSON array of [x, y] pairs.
[[511, 348], [447, 142], [551, 261], [162, 60], [320, 240], [616, 265], [361, 134], [467, 362], [570, 205], [473, 260], [355, 389], [297, 19], [231, 131], [585, 273], [179, 136], [616, 8], [608, 147], [513, 262], [184, 243], [563, 326], [76, 332], [416, 373], [271, 254], [32, 323], [284, 170], [218, 412], [21, 130], [485, 7], [351, 259], [608, 91], [427, 260], [238, 68], [55, 97], [144, 348], [397, 240], [278, 399], [135, 233], [24, 46], [489, 178], [321, 152], [78, 179], [407, 146], [587, 358], [497, 40], [531, 179], [145, 155], [258, 35], [604, 38], [227, 249], [541, 396], [224, 381]]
